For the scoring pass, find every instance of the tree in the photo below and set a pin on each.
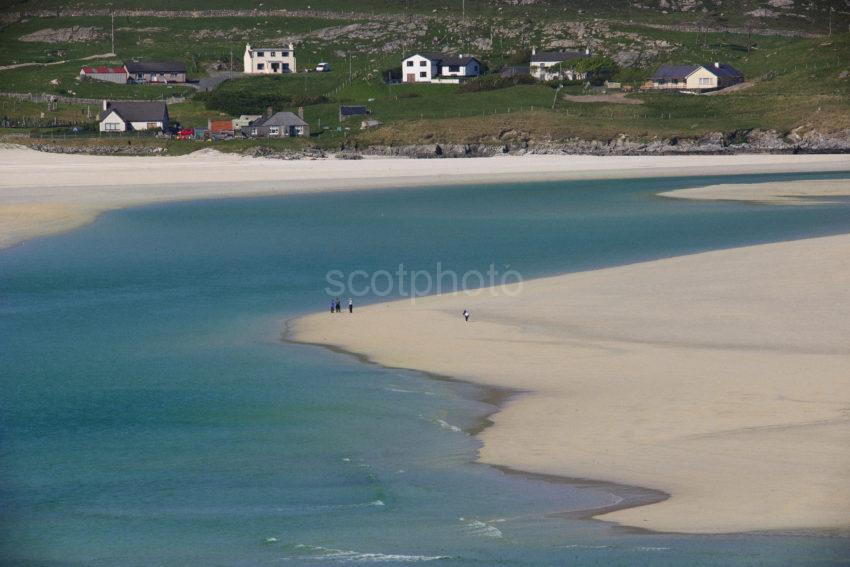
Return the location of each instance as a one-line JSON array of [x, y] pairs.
[[597, 66]]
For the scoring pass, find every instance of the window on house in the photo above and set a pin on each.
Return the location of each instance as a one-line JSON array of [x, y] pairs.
[[284, 54], [286, 67], [111, 126], [454, 68], [422, 63], [261, 54], [271, 53], [152, 126], [705, 80], [274, 131], [261, 66], [410, 63], [423, 74]]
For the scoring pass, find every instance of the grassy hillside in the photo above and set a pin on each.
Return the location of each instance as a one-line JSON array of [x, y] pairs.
[[797, 80]]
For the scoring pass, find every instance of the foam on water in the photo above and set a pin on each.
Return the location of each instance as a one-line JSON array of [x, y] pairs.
[[479, 528], [320, 553]]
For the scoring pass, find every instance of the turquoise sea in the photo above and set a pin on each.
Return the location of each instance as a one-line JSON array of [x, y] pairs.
[[151, 416]]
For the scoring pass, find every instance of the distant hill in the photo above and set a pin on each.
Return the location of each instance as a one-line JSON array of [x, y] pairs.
[[812, 16]]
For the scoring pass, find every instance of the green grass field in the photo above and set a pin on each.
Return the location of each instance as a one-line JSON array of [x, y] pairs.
[[797, 81]]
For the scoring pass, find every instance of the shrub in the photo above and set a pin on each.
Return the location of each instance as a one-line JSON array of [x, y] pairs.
[[254, 96], [494, 82]]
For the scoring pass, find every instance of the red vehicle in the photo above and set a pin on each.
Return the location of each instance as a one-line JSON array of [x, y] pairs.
[[187, 134]]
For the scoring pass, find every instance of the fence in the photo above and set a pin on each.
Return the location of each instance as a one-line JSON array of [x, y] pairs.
[[47, 97]]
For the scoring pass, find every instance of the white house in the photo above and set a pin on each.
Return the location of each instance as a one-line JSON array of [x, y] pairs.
[[133, 116], [694, 78], [439, 68], [269, 60], [542, 64]]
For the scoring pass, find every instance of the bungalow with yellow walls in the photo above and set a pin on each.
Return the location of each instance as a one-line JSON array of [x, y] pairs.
[[694, 78]]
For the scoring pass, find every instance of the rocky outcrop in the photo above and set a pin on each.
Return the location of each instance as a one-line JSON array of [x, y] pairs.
[[740, 142], [96, 149], [800, 140]]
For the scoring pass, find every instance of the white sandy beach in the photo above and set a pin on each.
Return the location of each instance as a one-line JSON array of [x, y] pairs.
[[43, 193], [785, 193], [720, 378]]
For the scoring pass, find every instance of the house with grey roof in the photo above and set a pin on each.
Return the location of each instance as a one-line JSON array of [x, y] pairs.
[[551, 65], [439, 68], [277, 125], [133, 116], [694, 78], [156, 71]]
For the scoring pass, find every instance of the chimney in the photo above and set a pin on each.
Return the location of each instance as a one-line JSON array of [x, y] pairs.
[[716, 65], [291, 47], [534, 51], [269, 111], [301, 112], [105, 104], [587, 51]]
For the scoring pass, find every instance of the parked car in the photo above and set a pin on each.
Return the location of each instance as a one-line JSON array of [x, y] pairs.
[[323, 67], [186, 134]]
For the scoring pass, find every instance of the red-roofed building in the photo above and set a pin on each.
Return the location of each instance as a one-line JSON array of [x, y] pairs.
[[110, 74]]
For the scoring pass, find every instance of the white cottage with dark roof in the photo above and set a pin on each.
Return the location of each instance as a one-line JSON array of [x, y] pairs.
[[156, 71], [439, 68], [550, 65], [133, 116]]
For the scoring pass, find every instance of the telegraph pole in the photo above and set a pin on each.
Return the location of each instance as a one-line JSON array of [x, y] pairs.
[[112, 34], [831, 10]]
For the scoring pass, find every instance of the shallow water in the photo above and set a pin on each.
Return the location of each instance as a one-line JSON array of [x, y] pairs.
[[151, 416]]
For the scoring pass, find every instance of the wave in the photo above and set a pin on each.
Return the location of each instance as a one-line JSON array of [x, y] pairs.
[[483, 529], [448, 426], [319, 553]]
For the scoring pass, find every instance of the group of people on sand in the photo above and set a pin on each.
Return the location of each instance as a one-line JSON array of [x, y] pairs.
[[336, 305]]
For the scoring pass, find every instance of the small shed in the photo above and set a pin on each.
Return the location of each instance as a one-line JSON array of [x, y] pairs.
[[366, 124], [347, 111], [109, 74], [220, 126]]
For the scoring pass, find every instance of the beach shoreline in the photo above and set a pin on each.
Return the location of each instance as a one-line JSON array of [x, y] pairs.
[[515, 344], [44, 193]]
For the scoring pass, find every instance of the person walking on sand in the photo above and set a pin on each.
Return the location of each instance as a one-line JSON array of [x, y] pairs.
[[338, 305], [466, 315], [332, 306], [350, 305]]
